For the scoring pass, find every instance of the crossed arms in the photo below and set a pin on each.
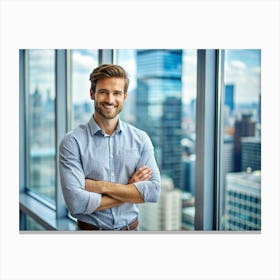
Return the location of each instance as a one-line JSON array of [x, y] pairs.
[[85, 196], [114, 194]]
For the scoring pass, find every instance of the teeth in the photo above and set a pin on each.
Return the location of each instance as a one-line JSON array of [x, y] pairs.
[[108, 106]]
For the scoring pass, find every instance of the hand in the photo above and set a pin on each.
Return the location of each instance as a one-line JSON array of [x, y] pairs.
[[144, 173]]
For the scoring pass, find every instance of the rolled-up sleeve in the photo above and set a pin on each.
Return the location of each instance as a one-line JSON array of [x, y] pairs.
[[72, 177], [150, 190]]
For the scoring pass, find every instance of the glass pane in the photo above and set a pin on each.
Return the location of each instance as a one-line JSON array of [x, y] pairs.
[[241, 189], [82, 64], [161, 101], [31, 224], [41, 122]]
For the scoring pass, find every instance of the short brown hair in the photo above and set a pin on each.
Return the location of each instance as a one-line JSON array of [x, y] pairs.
[[108, 71]]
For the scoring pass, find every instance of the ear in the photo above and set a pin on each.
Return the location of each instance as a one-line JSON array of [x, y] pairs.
[[125, 96], [91, 94]]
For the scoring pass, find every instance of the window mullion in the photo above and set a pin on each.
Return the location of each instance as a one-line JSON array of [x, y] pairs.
[[205, 139], [22, 112], [106, 56], [219, 139], [61, 121]]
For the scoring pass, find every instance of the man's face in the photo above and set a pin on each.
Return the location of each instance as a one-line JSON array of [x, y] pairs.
[[109, 97]]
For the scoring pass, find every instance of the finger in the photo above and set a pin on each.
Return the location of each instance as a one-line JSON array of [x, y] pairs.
[[142, 168], [146, 177], [140, 171], [145, 169], [144, 172]]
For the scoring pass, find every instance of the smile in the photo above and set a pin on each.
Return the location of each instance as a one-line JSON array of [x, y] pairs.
[[107, 106]]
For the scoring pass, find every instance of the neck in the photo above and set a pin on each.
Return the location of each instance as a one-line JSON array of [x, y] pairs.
[[107, 125]]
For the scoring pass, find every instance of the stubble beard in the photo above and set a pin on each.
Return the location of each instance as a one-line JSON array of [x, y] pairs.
[[98, 109]]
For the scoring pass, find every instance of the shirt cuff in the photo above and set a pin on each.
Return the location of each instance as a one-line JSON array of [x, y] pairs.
[[143, 189], [93, 202]]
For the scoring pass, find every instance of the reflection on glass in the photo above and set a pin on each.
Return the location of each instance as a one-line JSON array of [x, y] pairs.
[[161, 101], [31, 224], [41, 122], [82, 64], [241, 190]]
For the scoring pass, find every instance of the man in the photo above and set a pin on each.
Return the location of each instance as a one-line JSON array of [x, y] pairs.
[[107, 166]]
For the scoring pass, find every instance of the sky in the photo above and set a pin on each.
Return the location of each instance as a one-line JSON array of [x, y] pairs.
[[241, 68]]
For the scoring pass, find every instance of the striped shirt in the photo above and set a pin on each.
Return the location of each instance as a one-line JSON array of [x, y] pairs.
[[88, 152]]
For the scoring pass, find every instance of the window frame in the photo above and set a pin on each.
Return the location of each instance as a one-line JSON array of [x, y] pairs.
[[208, 106], [208, 130]]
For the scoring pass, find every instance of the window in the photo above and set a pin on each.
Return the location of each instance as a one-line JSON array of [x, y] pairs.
[[166, 100], [40, 123], [241, 138], [82, 64], [161, 101]]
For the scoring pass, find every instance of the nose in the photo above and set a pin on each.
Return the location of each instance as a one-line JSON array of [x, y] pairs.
[[109, 98]]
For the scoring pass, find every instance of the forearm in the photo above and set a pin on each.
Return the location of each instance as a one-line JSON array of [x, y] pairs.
[[124, 193], [108, 202]]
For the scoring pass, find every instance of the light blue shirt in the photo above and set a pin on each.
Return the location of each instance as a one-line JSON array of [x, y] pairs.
[[87, 152]]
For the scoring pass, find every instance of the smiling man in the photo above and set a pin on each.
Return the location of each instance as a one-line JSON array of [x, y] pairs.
[[107, 167]]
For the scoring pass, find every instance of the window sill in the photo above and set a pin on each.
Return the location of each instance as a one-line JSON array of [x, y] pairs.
[[43, 215]]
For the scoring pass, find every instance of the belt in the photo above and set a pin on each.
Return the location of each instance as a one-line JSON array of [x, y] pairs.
[[85, 226]]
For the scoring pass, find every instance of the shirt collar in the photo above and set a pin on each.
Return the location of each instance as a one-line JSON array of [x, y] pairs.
[[94, 127]]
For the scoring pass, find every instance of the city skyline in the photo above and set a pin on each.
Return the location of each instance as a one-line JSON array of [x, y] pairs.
[[242, 69]]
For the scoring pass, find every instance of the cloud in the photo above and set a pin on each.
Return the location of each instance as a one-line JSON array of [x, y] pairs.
[[83, 62], [237, 64]]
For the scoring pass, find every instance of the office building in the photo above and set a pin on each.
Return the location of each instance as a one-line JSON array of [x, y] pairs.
[[188, 211], [229, 97], [243, 201], [159, 106], [242, 128], [188, 174], [250, 153], [228, 149], [167, 213]]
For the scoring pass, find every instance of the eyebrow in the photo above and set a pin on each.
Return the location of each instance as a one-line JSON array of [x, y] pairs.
[[115, 91]]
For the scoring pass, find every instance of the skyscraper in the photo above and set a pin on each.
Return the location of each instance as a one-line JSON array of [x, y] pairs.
[[188, 174], [229, 97], [228, 148], [251, 153], [159, 106], [242, 128], [167, 213], [171, 139], [243, 201]]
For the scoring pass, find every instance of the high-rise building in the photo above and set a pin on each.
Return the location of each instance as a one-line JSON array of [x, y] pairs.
[[188, 214], [167, 213], [243, 201], [188, 174], [159, 106], [260, 109], [228, 148], [171, 139], [36, 105], [229, 97], [242, 128], [250, 153], [227, 166]]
